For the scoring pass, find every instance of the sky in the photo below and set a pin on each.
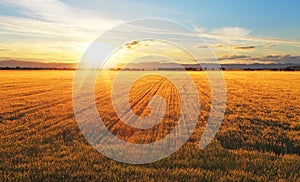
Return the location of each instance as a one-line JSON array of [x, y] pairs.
[[243, 32]]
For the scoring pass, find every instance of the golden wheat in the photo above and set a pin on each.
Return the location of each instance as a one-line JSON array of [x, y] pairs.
[[259, 138]]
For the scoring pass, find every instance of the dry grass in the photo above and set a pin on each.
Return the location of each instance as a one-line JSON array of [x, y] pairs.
[[259, 138]]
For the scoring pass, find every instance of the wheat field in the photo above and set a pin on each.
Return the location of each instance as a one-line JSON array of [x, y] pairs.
[[259, 139]]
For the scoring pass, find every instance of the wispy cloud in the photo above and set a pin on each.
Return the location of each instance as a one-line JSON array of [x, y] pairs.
[[52, 17], [48, 27], [233, 57], [231, 32], [227, 35]]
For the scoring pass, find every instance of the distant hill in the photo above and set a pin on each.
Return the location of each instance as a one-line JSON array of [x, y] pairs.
[[257, 66], [31, 64]]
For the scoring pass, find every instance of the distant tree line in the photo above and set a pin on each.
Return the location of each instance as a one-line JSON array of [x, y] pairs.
[[293, 68], [33, 68]]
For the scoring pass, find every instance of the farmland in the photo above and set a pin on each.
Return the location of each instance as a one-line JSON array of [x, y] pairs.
[[259, 138]]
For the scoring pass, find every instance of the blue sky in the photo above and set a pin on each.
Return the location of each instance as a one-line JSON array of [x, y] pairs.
[[54, 31], [269, 18]]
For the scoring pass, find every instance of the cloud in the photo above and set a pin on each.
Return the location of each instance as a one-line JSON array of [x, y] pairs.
[[200, 29], [231, 31], [233, 57], [202, 47], [131, 44], [272, 45], [275, 56], [218, 45], [245, 47]]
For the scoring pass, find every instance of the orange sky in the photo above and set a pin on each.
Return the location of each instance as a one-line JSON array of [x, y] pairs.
[[59, 31]]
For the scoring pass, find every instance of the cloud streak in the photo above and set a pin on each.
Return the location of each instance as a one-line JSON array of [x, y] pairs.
[[231, 32], [55, 18], [245, 47], [234, 35]]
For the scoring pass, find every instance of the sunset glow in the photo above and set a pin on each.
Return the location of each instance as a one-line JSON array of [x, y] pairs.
[[60, 31]]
